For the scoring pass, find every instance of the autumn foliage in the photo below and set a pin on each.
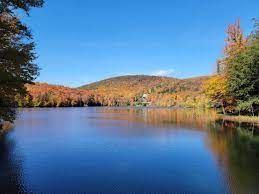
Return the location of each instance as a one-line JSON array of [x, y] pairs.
[[235, 88], [141, 90], [45, 95], [120, 91]]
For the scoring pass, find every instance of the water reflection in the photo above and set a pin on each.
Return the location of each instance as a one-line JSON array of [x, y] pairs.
[[236, 147], [135, 150], [158, 117], [10, 167]]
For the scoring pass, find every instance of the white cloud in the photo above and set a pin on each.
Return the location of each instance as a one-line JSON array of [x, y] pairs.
[[163, 72]]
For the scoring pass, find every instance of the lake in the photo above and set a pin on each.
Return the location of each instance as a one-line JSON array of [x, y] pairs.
[[128, 150]]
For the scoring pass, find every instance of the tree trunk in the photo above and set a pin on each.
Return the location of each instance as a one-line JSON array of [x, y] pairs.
[[252, 109], [223, 109]]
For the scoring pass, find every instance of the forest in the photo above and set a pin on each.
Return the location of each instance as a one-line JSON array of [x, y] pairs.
[[233, 88], [139, 90]]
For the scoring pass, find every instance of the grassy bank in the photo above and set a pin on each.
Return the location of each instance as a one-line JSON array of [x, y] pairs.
[[242, 119]]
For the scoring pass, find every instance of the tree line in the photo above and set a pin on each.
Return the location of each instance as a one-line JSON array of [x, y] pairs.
[[235, 87], [179, 94]]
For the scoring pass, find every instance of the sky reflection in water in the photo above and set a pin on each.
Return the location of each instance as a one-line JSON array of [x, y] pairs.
[[126, 150]]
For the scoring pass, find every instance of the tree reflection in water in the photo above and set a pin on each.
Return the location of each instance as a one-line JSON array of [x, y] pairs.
[[235, 146], [11, 180]]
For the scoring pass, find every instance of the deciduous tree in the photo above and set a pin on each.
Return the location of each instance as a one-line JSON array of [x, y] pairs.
[[243, 74], [234, 43], [17, 54]]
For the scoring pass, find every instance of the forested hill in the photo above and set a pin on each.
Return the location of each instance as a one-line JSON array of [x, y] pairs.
[[158, 91], [137, 90], [136, 81], [147, 83]]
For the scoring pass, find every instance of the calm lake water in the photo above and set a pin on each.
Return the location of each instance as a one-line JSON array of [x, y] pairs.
[[126, 150]]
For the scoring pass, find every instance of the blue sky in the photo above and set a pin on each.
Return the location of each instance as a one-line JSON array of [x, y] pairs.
[[82, 41]]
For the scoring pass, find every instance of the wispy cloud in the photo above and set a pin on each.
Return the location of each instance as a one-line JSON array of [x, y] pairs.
[[163, 72]]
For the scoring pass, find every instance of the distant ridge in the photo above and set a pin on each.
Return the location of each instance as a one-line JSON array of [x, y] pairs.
[[132, 80], [152, 90], [146, 81], [130, 90]]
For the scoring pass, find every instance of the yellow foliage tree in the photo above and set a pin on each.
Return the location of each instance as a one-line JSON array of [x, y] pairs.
[[216, 90]]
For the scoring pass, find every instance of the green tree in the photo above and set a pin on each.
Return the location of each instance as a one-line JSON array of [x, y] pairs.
[[237, 85], [243, 74], [17, 54]]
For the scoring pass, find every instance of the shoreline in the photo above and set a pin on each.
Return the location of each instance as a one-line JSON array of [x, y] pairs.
[[234, 118], [240, 118]]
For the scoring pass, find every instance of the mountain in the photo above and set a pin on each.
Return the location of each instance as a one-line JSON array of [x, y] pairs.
[[133, 90], [148, 90], [146, 82]]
